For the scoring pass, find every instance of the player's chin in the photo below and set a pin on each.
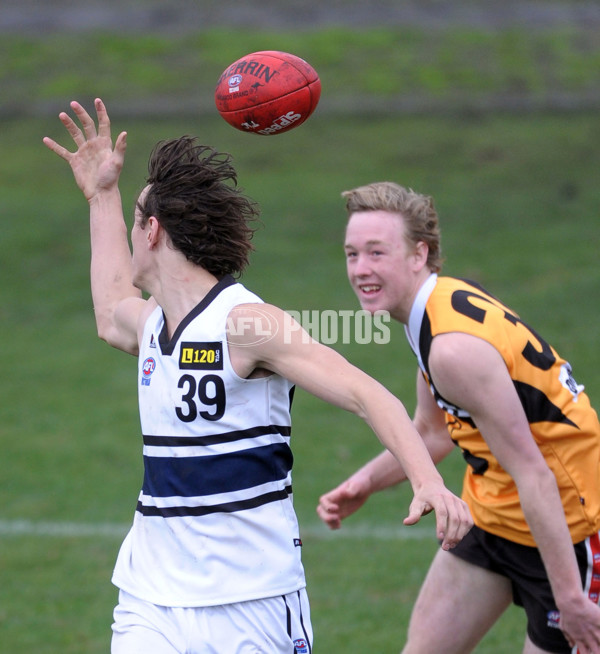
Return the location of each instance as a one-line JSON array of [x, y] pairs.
[[370, 304]]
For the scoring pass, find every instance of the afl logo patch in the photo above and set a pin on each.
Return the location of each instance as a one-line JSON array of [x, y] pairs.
[[553, 619], [301, 646], [148, 368]]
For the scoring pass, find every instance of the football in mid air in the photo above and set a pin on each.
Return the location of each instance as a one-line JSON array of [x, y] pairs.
[[267, 92]]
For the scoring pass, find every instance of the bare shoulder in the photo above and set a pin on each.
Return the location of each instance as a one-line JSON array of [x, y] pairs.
[[264, 336], [146, 307], [259, 324], [456, 349], [253, 324], [251, 329], [467, 370]]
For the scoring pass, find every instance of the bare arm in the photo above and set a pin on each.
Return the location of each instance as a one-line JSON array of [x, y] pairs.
[[96, 167], [471, 373], [384, 470], [327, 375]]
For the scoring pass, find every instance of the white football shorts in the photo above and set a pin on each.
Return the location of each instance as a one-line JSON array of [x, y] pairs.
[[276, 625]]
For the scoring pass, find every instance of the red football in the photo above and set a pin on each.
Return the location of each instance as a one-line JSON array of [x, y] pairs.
[[267, 92]]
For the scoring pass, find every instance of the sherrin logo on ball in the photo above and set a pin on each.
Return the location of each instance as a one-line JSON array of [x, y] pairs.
[[267, 92]]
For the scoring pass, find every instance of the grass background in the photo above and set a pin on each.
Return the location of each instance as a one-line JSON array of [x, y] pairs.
[[518, 196]]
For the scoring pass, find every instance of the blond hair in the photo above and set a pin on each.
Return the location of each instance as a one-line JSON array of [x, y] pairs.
[[417, 211]]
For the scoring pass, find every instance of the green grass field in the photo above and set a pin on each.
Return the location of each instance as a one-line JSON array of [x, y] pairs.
[[518, 197]]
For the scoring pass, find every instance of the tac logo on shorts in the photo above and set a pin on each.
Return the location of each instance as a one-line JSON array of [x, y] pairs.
[[201, 356], [148, 367], [300, 646]]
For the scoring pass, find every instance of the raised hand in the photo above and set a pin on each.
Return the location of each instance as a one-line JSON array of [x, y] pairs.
[[95, 164]]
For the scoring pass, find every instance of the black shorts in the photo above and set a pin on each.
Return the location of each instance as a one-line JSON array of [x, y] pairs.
[[530, 586]]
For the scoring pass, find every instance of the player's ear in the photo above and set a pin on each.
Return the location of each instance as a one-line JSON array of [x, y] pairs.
[[153, 231], [420, 255]]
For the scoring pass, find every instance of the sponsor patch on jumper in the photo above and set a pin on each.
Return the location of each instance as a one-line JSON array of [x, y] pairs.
[[201, 356]]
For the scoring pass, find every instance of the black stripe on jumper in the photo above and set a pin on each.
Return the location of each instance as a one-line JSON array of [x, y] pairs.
[[215, 439], [225, 507]]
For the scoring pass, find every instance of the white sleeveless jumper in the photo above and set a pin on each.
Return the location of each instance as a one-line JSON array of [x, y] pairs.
[[215, 522]]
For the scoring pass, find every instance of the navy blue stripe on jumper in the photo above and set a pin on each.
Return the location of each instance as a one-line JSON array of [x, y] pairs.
[[192, 476]]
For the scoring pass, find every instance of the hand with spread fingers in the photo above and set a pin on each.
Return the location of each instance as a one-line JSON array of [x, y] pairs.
[[96, 164]]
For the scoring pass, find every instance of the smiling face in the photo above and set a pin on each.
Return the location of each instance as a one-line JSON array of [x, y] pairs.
[[384, 270]]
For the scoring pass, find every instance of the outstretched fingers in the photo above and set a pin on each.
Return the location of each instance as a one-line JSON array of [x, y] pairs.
[[87, 122], [78, 135], [121, 145], [103, 119], [86, 132], [95, 164], [61, 151]]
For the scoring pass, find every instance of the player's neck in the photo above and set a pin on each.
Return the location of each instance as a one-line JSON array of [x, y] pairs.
[[179, 289]]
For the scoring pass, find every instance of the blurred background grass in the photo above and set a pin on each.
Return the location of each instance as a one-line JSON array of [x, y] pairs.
[[381, 70], [498, 122]]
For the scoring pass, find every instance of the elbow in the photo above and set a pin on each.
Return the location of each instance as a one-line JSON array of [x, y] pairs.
[[105, 335], [103, 330], [112, 337]]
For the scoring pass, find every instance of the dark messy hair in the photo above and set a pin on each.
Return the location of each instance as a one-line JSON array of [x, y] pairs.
[[193, 193]]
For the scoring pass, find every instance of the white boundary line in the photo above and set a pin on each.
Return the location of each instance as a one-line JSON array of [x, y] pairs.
[[48, 529]]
